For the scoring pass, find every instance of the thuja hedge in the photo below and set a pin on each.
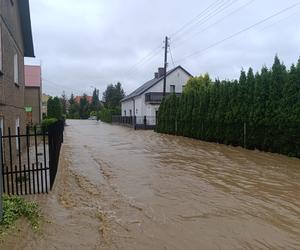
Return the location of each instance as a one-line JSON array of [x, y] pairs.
[[258, 111]]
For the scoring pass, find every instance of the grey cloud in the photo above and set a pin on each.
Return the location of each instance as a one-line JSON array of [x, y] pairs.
[[84, 43]]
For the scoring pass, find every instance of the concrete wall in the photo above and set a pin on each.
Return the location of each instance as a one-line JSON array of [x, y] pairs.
[[33, 100]]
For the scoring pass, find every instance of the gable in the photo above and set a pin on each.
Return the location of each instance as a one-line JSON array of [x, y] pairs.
[[146, 86]]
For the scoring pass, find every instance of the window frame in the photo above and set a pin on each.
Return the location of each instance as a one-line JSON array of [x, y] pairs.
[[16, 68], [172, 86], [1, 51], [2, 124]]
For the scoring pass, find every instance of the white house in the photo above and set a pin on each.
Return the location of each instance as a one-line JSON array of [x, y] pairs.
[[145, 100]]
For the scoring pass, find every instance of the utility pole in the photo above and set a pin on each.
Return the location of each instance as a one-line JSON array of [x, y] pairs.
[[166, 65]]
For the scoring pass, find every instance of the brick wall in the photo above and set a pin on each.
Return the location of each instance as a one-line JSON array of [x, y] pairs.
[[11, 93]]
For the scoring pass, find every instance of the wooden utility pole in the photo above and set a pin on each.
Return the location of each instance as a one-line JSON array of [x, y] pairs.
[[166, 65]]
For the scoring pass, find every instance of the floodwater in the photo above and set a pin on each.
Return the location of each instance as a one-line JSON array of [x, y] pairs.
[[123, 189]]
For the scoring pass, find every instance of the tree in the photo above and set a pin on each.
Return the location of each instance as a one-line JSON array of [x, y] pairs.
[[84, 107], [73, 108], [198, 83], [95, 105], [113, 95], [54, 108], [63, 100], [268, 102]]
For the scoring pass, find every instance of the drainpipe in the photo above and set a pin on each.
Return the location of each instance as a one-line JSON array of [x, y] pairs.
[[1, 179]]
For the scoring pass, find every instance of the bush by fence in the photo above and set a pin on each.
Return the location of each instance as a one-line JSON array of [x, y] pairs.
[[259, 111], [106, 114]]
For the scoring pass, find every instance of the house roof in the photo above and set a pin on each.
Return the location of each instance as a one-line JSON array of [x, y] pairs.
[[150, 84], [32, 76], [26, 28], [78, 98]]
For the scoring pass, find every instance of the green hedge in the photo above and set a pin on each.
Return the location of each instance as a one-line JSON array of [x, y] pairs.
[[106, 114], [47, 122], [267, 103]]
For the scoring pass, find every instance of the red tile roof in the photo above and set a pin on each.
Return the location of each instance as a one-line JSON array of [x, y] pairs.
[[89, 98], [33, 76]]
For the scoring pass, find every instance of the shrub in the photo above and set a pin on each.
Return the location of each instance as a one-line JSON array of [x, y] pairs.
[[16, 207], [47, 122]]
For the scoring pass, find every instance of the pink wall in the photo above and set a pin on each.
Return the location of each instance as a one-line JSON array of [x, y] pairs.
[[33, 76]]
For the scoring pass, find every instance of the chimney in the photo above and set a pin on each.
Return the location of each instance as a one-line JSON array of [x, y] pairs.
[[161, 72], [156, 75]]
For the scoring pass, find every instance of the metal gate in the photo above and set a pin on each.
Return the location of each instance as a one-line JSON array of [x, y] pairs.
[[29, 160]]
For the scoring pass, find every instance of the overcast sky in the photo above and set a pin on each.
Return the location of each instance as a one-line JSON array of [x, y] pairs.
[[92, 43]]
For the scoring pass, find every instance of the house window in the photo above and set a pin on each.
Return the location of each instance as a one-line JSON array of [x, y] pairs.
[[130, 112], [2, 125], [183, 87], [124, 112], [172, 88], [1, 68], [136, 111], [16, 69]]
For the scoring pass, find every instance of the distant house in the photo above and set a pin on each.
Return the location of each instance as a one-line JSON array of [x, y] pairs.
[[15, 44], [33, 94], [146, 99], [78, 98], [45, 99]]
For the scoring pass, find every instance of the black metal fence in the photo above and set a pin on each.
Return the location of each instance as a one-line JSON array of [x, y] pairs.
[[29, 160], [137, 122], [55, 140]]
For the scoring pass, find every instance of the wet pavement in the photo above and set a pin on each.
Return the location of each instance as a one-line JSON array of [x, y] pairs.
[[123, 189]]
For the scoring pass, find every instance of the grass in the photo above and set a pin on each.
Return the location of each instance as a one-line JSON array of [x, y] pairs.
[[15, 208]]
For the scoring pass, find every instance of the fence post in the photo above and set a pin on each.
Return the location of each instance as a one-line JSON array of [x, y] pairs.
[[1, 179], [145, 121], [134, 122], [245, 135]]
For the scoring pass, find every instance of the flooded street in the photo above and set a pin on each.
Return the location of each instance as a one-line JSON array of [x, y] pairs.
[[126, 189]]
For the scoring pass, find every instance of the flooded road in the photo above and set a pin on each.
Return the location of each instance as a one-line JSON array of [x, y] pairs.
[[125, 189]]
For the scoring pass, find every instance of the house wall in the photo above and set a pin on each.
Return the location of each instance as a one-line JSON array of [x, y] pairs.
[[33, 100], [11, 93], [126, 107], [178, 78], [135, 105]]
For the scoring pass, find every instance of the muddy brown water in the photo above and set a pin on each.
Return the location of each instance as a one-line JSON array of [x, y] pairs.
[[125, 189]]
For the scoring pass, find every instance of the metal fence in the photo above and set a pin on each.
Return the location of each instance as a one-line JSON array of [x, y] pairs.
[[136, 122], [29, 161]]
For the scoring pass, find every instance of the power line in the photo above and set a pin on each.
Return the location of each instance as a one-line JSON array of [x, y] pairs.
[[215, 23], [195, 18], [240, 32], [157, 50], [145, 59], [211, 15], [171, 56], [60, 87], [279, 21], [133, 70]]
